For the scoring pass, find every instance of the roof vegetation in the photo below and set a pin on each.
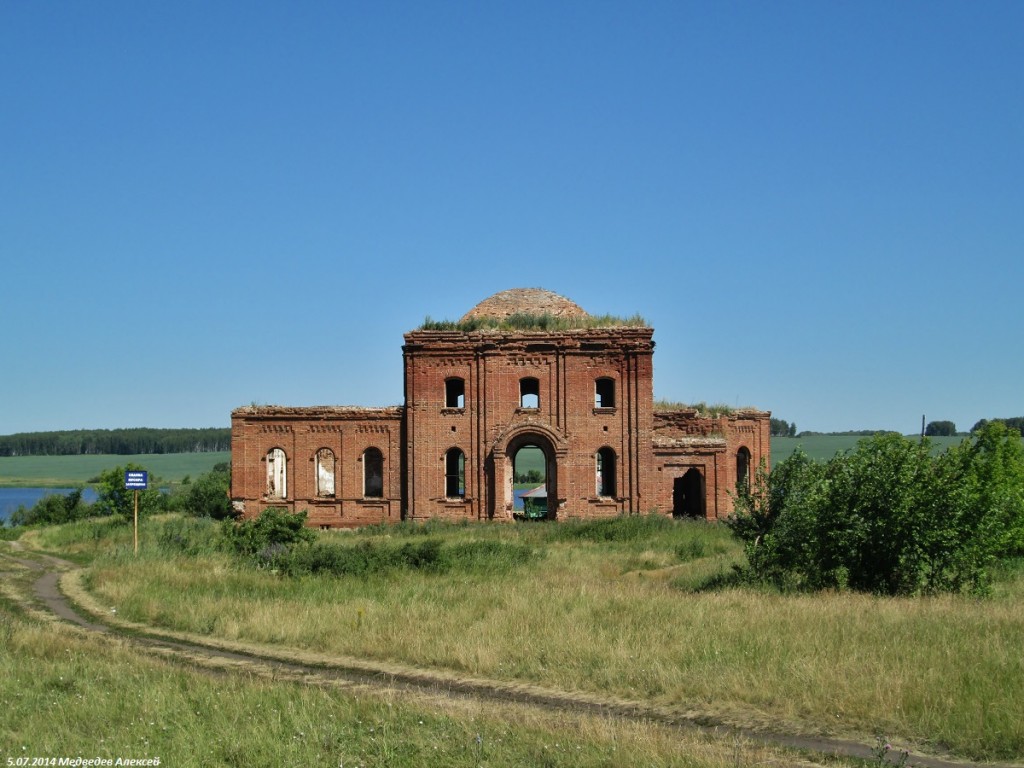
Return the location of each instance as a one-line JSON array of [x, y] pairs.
[[524, 321], [702, 408]]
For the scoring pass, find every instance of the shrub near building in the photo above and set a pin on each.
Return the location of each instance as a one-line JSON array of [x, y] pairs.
[[889, 517]]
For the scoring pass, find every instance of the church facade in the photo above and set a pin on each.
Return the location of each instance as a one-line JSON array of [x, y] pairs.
[[524, 370]]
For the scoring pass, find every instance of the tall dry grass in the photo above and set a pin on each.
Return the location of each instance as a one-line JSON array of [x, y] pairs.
[[64, 695], [610, 616]]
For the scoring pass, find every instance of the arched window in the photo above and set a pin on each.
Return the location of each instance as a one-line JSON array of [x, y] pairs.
[[529, 393], [454, 393], [454, 474], [277, 474], [743, 467], [325, 472], [604, 393], [605, 472], [373, 473]]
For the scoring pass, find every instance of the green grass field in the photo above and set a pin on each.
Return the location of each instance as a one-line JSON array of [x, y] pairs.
[[624, 607], [64, 471]]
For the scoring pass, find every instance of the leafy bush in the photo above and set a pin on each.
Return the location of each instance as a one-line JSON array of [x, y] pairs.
[[209, 495], [52, 509], [114, 499], [268, 536], [889, 517]]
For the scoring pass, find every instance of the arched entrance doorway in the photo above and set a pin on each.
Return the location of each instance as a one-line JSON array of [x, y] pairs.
[[688, 495], [531, 478]]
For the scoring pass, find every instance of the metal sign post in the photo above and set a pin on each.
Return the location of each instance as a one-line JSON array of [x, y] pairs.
[[136, 480]]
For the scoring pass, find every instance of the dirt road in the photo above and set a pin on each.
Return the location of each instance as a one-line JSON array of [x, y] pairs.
[[58, 590]]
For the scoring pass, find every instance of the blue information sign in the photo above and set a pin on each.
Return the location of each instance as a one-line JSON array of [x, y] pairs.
[[137, 479]]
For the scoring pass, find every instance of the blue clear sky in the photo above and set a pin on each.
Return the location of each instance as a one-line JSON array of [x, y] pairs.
[[819, 206]]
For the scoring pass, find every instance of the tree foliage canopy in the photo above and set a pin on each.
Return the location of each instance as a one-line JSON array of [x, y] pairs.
[[940, 429], [1015, 423], [889, 517], [114, 499], [209, 495], [52, 509], [782, 428]]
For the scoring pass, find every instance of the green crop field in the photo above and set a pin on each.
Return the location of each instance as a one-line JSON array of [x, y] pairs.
[[62, 471], [823, 447]]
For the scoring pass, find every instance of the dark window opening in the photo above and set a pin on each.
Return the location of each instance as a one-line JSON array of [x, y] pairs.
[[529, 393], [454, 393], [373, 473], [688, 494], [454, 474], [604, 393], [743, 467], [606, 472]]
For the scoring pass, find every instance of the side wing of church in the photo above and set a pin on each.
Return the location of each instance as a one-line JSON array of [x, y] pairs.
[[525, 372]]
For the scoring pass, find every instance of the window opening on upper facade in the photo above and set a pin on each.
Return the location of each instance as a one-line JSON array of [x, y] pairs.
[[529, 393], [743, 467], [454, 474], [454, 393], [604, 393], [277, 474], [325, 472], [605, 459], [373, 473]]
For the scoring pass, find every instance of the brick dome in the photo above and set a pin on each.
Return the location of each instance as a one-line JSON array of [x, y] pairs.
[[527, 301]]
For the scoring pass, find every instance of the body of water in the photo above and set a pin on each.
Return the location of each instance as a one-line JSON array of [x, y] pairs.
[[12, 498]]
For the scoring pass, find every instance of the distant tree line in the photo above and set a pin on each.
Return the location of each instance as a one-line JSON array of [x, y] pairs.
[[1015, 423], [933, 429], [120, 442]]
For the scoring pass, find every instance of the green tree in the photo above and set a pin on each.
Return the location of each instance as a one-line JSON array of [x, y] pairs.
[[940, 429], [116, 500], [209, 495], [1016, 423], [52, 509], [888, 517]]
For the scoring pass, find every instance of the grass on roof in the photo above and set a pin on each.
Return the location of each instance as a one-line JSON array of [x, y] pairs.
[[524, 321], [702, 408]]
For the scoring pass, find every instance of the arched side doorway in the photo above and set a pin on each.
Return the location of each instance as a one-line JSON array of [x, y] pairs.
[[689, 495]]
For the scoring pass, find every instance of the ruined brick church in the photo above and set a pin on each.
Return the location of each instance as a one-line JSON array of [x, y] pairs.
[[525, 368]]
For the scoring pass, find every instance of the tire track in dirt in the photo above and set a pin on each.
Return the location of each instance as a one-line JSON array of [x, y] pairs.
[[59, 576]]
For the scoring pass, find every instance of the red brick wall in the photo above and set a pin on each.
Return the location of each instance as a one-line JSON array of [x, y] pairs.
[[684, 439], [492, 424], [300, 433], [652, 450]]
